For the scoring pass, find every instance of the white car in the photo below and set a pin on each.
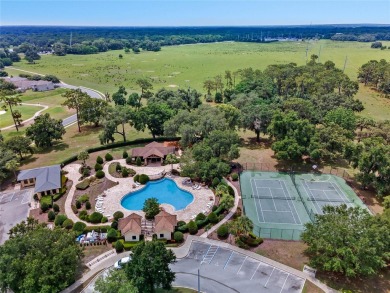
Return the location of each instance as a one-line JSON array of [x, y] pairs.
[[119, 264]]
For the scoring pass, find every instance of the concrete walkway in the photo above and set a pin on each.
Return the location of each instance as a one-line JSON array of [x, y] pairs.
[[182, 252], [229, 215], [45, 107]]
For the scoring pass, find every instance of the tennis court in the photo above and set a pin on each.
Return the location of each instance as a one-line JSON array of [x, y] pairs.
[[273, 202], [279, 204]]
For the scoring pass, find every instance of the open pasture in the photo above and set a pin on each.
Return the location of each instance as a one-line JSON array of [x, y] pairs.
[[190, 65]]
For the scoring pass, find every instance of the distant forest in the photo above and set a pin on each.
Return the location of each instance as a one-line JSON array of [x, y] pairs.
[[90, 40]]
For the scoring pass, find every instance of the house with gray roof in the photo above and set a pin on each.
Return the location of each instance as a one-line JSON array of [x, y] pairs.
[[46, 180]]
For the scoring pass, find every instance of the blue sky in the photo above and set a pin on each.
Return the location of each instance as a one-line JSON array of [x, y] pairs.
[[192, 13]]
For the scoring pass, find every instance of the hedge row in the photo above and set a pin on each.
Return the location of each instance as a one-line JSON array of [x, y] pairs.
[[118, 144], [211, 218]]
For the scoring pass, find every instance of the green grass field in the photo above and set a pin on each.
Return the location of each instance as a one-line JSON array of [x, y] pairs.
[[53, 99], [27, 112], [190, 65]]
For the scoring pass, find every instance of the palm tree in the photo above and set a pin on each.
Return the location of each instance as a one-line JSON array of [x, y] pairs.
[[12, 165], [241, 225], [9, 100]]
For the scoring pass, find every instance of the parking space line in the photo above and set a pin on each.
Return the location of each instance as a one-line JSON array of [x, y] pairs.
[[284, 283], [265, 285], [228, 260], [255, 270], [242, 264]]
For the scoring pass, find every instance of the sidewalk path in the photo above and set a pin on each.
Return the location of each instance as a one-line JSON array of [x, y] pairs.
[[229, 215]]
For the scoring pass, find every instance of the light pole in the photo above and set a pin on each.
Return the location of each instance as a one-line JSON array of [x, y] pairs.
[[198, 280]]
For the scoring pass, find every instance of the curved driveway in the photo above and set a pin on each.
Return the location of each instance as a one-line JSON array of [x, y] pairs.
[[91, 92]]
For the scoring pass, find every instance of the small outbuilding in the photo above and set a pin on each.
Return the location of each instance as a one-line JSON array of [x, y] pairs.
[[152, 152], [46, 180], [130, 227], [164, 225]]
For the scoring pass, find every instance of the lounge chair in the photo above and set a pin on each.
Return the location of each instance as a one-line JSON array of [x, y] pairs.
[[137, 183]]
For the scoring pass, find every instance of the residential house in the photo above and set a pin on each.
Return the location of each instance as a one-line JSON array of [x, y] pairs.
[[130, 227], [22, 84], [46, 180], [164, 225]]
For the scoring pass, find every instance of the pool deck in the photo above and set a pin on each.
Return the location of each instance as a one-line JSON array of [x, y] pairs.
[[114, 195]]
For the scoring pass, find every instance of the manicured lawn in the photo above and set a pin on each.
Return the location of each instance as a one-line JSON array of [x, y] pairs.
[[27, 112], [73, 143], [53, 99]]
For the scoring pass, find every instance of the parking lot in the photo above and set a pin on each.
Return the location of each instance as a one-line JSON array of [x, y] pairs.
[[13, 209], [224, 270]]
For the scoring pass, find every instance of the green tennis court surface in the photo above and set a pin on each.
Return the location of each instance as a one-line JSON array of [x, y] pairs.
[[279, 204]]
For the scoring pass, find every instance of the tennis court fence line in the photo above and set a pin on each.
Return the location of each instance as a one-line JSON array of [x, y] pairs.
[[264, 167], [276, 233]]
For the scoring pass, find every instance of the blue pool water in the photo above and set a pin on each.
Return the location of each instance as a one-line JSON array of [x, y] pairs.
[[165, 190]]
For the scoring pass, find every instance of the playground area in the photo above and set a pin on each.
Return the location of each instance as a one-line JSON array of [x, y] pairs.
[[279, 204]]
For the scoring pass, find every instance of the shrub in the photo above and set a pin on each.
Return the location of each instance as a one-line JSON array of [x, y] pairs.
[[118, 167], [108, 157], [56, 208], [111, 235], [138, 161], [125, 155], [192, 227], [83, 198], [79, 227], [60, 219], [74, 209], [200, 217], [125, 172], [98, 167], [231, 190], [86, 172], [136, 178], [213, 218], [104, 220], [214, 208], [78, 204], [44, 207], [95, 217], [118, 215], [223, 231], [143, 179], [128, 160], [241, 244], [87, 205], [83, 215], [178, 236], [251, 240], [114, 225], [234, 176], [215, 182], [83, 184], [100, 174], [67, 224], [99, 160], [119, 246], [209, 98], [202, 223], [218, 98], [51, 216], [181, 223]]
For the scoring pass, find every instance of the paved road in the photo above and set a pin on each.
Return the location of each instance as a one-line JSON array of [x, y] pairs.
[[91, 92], [13, 209], [224, 270]]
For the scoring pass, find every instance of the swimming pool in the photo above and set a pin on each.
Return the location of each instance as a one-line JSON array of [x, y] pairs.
[[165, 190]]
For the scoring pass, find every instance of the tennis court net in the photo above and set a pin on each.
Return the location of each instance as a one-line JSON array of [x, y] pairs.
[[272, 197], [329, 199]]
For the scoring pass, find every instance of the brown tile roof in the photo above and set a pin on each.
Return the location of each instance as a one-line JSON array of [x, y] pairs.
[[164, 221], [153, 148], [130, 223]]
